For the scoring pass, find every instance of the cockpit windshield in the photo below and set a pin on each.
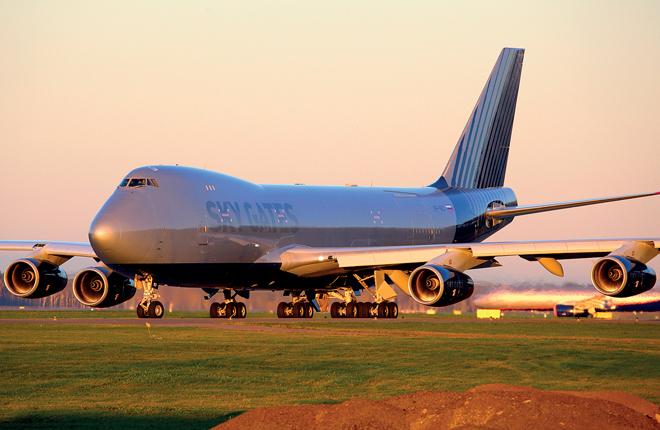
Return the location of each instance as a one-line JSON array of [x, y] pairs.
[[138, 182]]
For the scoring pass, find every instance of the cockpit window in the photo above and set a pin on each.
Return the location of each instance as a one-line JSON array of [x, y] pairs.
[[138, 182]]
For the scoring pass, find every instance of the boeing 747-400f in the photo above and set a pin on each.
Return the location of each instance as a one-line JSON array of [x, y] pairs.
[[192, 228]]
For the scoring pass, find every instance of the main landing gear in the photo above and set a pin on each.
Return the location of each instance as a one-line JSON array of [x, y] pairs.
[[148, 307], [299, 307], [349, 307], [230, 308], [355, 309]]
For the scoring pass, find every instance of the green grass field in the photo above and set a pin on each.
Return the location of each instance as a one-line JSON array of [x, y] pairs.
[[75, 375]]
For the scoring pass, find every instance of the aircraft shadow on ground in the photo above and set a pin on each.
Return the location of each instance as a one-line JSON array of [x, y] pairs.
[[90, 420]]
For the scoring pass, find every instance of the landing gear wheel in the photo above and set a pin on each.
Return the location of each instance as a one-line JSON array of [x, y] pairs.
[[281, 310], [140, 311], [309, 310], [363, 310], [156, 310], [230, 310], [383, 310], [214, 310], [351, 310], [394, 310], [299, 310], [222, 310], [334, 310], [241, 310]]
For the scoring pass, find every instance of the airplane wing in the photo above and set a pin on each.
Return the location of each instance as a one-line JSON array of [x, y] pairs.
[[311, 262], [63, 250]]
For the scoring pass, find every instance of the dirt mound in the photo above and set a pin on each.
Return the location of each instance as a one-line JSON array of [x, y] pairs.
[[485, 407]]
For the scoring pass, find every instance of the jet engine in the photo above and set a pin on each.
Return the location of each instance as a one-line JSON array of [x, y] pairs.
[[437, 286], [617, 276], [100, 287], [34, 279]]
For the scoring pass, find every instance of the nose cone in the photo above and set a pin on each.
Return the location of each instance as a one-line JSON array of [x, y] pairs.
[[105, 231], [122, 231]]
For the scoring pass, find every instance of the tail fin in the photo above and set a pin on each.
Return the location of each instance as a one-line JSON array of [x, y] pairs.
[[480, 157]]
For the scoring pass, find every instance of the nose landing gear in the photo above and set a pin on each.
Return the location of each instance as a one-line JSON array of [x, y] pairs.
[[148, 307]]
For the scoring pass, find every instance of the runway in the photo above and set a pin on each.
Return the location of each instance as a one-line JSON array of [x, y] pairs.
[[408, 326]]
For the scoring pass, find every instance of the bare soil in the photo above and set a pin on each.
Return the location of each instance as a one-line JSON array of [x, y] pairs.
[[489, 407]]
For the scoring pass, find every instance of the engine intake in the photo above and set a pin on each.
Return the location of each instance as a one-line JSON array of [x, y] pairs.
[[34, 279], [438, 286], [99, 287], [617, 276]]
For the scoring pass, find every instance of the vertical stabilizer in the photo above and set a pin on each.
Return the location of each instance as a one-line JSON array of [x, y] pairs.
[[480, 157]]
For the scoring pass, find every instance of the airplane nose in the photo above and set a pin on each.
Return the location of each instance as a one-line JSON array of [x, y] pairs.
[[105, 232], [126, 230]]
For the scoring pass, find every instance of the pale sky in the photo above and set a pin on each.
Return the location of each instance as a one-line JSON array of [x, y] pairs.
[[364, 92]]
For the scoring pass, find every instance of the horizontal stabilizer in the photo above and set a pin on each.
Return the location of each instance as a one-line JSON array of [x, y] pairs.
[[510, 212]]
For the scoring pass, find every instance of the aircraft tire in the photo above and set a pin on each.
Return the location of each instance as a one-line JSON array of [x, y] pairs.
[[351, 310], [309, 310], [140, 311], [367, 310], [299, 310], [394, 310], [374, 310], [281, 310], [156, 309], [334, 310], [361, 309], [241, 310], [214, 310], [222, 310], [230, 310], [383, 310]]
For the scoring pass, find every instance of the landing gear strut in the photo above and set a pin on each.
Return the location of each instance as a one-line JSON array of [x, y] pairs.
[[148, 307], [230, 308]]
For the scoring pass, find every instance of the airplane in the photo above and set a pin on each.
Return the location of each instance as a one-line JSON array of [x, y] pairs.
[[569, 303], [193, 228]]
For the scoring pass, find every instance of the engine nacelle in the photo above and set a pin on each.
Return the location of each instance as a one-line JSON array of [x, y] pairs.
[[617, 276], [437, 286], [100, 287], [34, 279]]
